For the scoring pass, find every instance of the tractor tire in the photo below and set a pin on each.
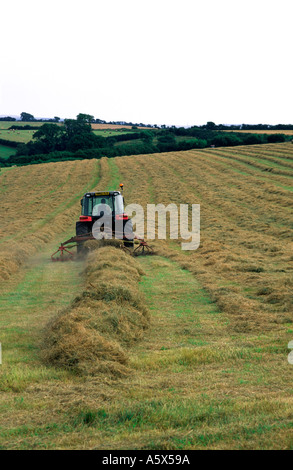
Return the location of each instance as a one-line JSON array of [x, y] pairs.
[[128, 232], [129, 244], [81, 229]]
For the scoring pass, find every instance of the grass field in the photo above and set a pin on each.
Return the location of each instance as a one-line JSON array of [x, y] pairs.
[[21, 136], [115, 127], [113, 132], [6, 152], [17, 136], [24, 136], [211, 371], [4, 125], [38, 203], [265, 131]]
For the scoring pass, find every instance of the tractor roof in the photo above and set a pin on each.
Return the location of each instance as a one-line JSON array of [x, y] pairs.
[[102, 193]]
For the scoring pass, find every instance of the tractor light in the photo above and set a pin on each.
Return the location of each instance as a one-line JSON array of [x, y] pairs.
[[121, 217], [85, 218]]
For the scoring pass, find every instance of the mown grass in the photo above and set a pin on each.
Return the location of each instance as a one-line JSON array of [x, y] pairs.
[[25, 303], [93, 334], [180, 394], [48, 206], [246, 227], [211, 372], [115, 176]]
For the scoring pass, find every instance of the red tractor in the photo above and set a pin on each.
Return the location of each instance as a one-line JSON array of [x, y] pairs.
[[108, 208], [102, 216]]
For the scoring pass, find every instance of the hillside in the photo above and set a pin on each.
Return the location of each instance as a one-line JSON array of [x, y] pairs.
[[245, 257], [38, 203], [211, 370]]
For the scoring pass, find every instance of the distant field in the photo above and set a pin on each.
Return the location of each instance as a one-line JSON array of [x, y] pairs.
[[115, 126], [17, 136], [264, 131], [24, 136], [7, 124], [113, 132], [21, 136], [6, 152]]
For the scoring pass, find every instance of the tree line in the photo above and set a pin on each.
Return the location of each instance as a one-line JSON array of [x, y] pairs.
[[76, 140]]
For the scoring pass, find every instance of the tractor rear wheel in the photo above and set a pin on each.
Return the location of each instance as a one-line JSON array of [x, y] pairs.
[[128, 233], [82, 229]]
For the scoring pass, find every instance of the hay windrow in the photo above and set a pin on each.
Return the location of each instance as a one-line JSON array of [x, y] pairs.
[[46, 207], [245, 228], [93, 334]]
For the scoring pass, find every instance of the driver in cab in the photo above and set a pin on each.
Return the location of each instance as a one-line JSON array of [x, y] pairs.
[[102, 209]]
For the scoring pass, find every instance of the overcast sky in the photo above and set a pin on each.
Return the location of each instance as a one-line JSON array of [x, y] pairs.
[[153, 61]]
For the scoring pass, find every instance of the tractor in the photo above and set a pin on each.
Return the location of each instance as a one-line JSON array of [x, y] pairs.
[[104, 209], [107, 206]]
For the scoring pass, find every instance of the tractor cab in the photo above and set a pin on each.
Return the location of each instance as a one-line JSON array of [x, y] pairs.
[[110, 206], [98, 204]]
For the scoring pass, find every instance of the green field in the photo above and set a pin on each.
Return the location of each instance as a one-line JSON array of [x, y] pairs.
[[24, 136], [113, 132], [4, 125], [17, 136], [6, 152]]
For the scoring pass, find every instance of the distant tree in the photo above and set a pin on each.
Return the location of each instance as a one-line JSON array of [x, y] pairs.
[[76, 126], [83, 141], [27, 117], [166, 142], [210, 125], [79, 134], [276, 138], [49, 137], [7, 118], [56, 118], [85, 118], [147, 136], [167, 137]]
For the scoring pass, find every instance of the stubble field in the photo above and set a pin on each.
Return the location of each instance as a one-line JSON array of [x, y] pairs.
[[211, 369]]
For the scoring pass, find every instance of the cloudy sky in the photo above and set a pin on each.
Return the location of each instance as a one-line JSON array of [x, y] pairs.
[[153, 61]]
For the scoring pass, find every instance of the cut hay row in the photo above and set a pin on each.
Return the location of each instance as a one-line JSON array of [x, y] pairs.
[[254, 160], [93, 334], [38, 203], [263, 131], [249, 160], [274, 158], [245, 256], [224, 174]]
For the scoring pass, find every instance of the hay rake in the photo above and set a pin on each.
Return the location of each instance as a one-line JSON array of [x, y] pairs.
[[64, 252]]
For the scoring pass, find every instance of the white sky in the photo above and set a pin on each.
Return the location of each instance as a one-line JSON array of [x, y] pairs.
[[168, 62]]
